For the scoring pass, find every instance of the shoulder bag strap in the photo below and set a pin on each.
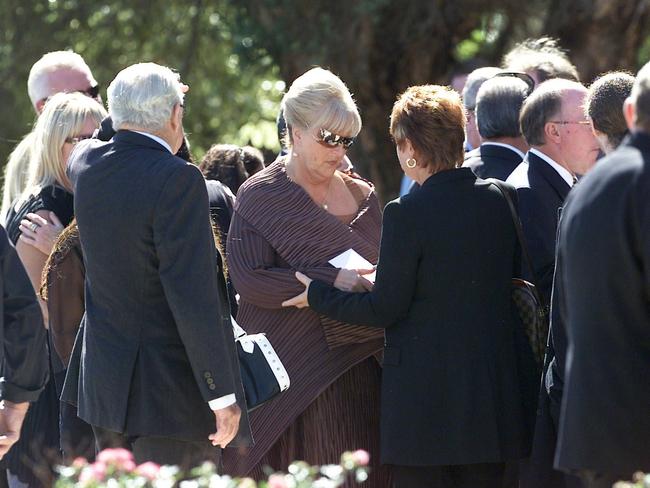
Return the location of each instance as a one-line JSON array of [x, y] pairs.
[[520, 234]]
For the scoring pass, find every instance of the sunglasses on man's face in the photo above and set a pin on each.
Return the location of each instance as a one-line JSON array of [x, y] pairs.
[[331, 140]]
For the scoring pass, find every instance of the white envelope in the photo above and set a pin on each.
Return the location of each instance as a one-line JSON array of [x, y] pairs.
[[351, 259]]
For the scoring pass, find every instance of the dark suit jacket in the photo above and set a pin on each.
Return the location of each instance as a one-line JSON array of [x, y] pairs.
[[605, 248], [157, 343], [490, 161], [541, 192], [23, 354], [450, 391]]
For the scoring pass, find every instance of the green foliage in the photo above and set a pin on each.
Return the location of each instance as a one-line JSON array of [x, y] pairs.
[[234, 86]]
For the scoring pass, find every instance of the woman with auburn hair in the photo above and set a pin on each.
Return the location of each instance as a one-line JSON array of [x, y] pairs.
[[451, 409], [296, 215]]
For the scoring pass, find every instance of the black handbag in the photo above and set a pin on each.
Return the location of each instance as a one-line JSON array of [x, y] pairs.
[[262, 373], [534, 313]]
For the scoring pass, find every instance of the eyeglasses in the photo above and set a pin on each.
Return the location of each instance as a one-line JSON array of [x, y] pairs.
[[331, 140], [76, 139], [566, 122]]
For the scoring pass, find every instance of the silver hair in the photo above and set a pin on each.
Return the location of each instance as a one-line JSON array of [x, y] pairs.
[[38, 85], [474, 81], [143, 96], [498, 104]]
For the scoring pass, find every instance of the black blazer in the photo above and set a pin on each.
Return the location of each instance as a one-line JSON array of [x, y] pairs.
[[605, 248], [158, 342], [23, 353], [490, 161], [450, 390], [541, 192]]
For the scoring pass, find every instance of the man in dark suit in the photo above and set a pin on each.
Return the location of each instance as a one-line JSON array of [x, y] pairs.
[[159, 370], [604, 245], [23, 354], [498, 104], [562, 144]]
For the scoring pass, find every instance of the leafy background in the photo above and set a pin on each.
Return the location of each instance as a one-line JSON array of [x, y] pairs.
[[238, 55]]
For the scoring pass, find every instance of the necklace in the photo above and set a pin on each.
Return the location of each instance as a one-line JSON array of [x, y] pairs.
[[323, 204]]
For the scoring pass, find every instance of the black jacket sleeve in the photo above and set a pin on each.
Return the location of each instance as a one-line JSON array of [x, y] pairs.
[[24, 353], [394, 288]]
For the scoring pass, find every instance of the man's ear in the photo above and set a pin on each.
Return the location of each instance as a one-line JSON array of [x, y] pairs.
[[552, 133], [177, 116], [629, 112]]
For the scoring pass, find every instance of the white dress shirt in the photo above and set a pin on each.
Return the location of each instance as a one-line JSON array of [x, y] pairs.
[[226, 400], [561, 170]]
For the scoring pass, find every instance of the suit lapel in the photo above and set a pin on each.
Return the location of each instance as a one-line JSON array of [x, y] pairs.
[[549, 174]]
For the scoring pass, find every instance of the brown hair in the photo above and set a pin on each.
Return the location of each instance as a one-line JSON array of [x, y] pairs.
[[432, 118], [65, 243], [223, 162], [604, 104]]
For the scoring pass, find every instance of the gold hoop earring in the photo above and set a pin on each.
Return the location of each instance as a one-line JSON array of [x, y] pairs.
[[411, 163]]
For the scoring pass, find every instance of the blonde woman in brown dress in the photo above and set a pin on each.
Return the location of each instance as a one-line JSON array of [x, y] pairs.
[[298, 214]]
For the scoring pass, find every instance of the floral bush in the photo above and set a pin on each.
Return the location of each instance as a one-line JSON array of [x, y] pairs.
[[641, 480], [116, 468]]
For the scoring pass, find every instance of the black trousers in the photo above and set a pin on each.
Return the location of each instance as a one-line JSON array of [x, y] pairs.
[[160, 450], [483, 475]]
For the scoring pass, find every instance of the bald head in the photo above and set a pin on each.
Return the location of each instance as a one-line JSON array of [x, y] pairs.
[[553, 121]]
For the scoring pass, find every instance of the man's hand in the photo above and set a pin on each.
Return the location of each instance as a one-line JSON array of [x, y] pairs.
[[11, 420], [39, 232], [227, 425]]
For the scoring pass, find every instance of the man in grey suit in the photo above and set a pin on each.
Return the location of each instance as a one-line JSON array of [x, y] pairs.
[[158, 371], [605, 303]]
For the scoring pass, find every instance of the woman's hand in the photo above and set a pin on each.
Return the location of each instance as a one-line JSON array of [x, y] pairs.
[[352, 280], [300, 301], [39, 232]]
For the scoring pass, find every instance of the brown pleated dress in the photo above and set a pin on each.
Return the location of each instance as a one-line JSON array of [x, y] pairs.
[[332, 404]]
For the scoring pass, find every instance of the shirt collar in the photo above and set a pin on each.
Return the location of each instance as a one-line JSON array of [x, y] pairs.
[[508, 146], [160, 141], [561, 170]]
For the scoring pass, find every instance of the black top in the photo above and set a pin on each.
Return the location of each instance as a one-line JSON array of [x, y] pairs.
[[605, 250], [450, 392], [54, 198], [541, 192], [492, 161]]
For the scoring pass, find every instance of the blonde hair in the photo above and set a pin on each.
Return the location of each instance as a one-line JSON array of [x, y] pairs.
[[319, 98], [64, 116], [15, 178]]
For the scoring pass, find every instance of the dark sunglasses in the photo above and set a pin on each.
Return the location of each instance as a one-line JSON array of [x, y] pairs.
[[76, 139], [331, 140], [92, 92], [522, 76]]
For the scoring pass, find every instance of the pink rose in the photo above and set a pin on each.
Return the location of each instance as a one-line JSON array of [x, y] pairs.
[[149, 470], [120, 458], [277, 481], [99, 470], [79, 462], [361, 457], [86, 476]]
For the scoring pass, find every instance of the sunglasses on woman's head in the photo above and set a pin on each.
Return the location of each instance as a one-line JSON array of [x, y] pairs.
[[331, 140], [76, 139]]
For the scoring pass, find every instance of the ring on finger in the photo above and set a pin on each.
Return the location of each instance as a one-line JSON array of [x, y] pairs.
[[33, 226]]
